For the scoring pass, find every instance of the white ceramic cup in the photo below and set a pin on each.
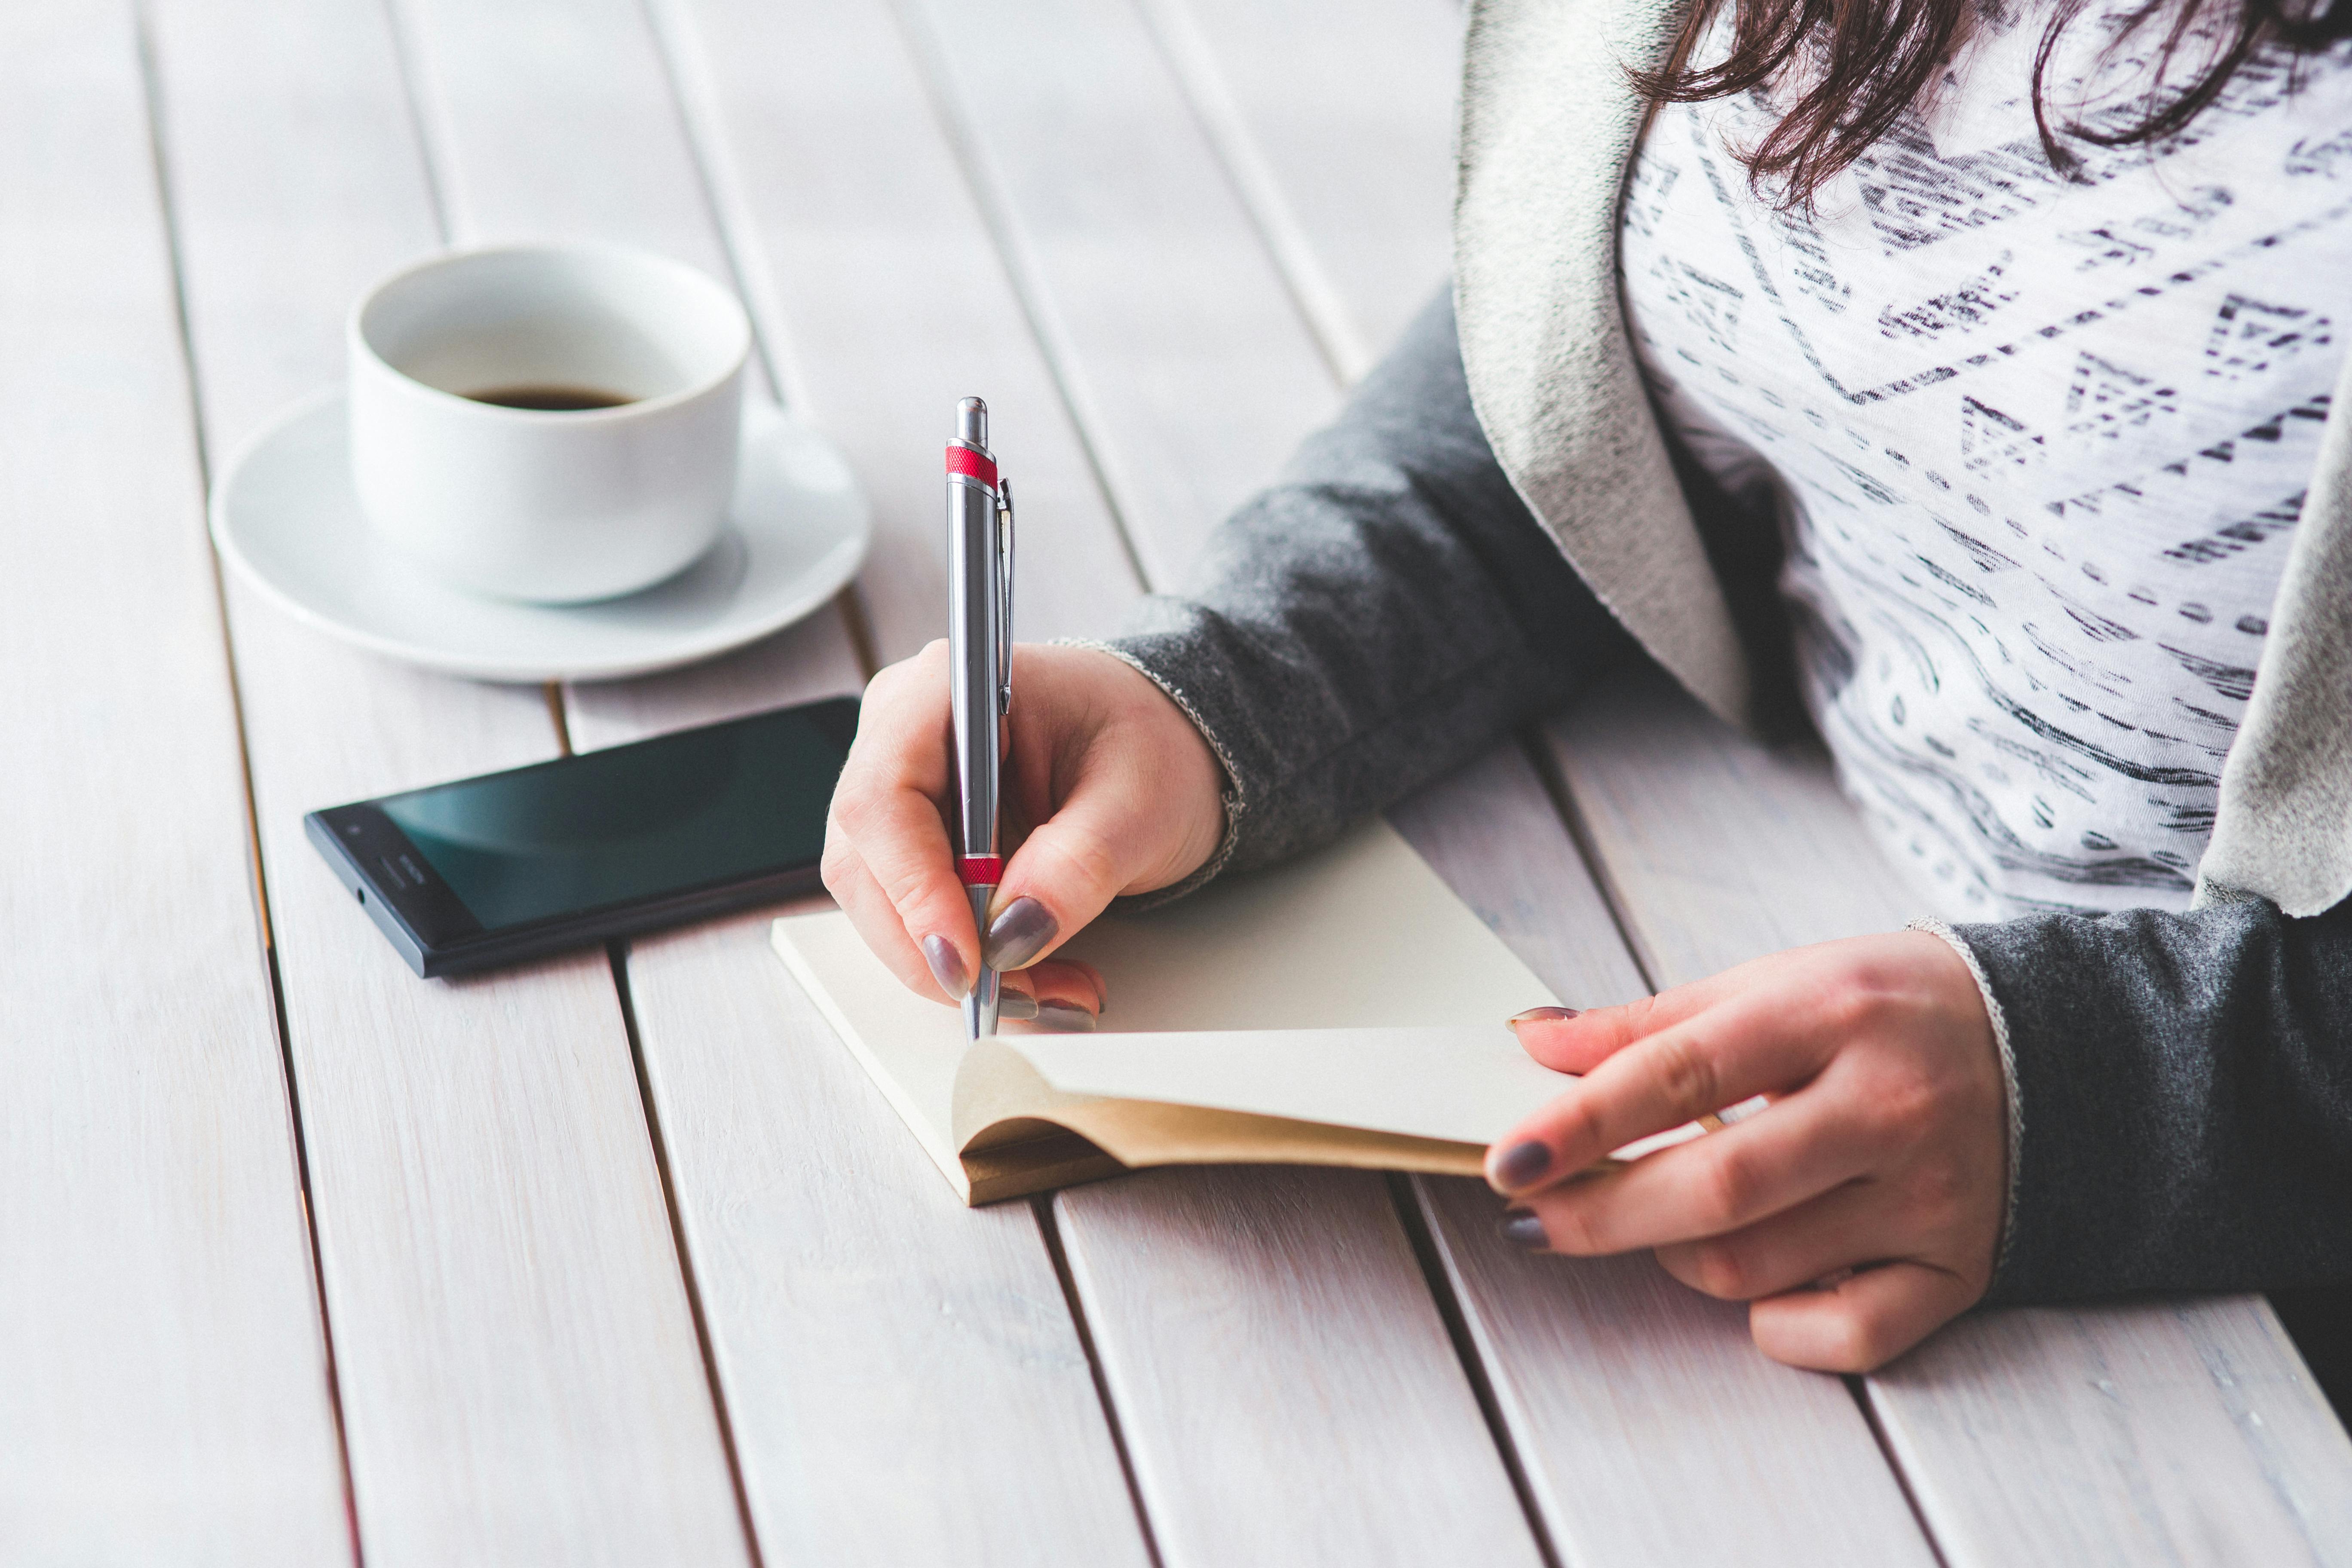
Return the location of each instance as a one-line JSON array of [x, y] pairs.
[[547, 506]]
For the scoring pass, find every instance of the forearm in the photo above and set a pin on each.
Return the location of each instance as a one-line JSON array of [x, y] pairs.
[[2185, 1085], [1386, 610]]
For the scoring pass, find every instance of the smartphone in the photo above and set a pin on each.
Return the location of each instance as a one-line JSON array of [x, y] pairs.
[[511, 865]]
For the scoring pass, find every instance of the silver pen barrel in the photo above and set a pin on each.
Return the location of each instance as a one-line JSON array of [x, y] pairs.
[[975, 630]]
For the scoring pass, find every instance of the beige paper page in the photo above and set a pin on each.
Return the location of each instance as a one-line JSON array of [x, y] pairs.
[[1359, 935], [1465, 1083]]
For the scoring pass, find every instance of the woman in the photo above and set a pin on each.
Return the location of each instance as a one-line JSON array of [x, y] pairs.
[[1966, 375]]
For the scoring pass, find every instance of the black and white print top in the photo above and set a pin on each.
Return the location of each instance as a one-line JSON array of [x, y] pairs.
[[2037, 443]]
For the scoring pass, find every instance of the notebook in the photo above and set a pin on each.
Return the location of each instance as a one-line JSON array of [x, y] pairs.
[[1346, 1009]]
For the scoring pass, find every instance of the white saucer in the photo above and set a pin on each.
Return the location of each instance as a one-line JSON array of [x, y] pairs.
[[284, 516]]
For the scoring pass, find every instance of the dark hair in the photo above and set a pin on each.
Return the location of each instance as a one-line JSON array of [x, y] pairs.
[[1854, 67]]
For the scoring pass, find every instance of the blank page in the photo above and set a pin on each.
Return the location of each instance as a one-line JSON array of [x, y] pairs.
[[1362, 934]]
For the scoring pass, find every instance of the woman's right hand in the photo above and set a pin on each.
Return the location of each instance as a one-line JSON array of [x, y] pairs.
[[1122, 789]]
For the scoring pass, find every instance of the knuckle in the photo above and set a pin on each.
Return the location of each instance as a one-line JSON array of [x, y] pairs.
[[1849, 1003], [1089, 856], [1637, 1018], [1569, 1228], [1857, 1340], [1719, 1270], [1909, 1111], [1687, 1069], [839, 866], [853, 810], [1729, 1190], [1579, 1124]]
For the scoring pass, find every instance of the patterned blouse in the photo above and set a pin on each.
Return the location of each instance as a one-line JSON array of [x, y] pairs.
[[2036, 440]]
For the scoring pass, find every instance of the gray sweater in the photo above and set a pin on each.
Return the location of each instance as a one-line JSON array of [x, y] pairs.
[[1392, 607]]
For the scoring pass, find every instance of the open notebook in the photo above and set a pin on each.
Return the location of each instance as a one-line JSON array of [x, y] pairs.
[[1344, 1010]]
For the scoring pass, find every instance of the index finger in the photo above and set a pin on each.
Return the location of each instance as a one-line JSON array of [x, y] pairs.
[[885, 825], [1721, 1055]]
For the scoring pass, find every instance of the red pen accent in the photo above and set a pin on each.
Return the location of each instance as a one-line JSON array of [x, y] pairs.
[[979, 870], [964, 460]]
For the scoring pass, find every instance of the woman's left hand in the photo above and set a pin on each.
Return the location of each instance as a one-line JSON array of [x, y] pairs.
[[1857, 1213]]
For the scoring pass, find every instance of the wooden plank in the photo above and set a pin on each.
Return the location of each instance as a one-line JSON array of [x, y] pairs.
[[1340, 1429], [159, 1339], [1624, 1393], [2188, 1432], [881, 298], [951, 1416], [520, 1371], [904, 1379], [1177, 343], [1718, 848], [1490, 830], [2157, 1431], [1339, 133], [1629, 1395]]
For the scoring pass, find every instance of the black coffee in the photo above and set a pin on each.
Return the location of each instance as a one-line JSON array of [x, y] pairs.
[[555, 398]]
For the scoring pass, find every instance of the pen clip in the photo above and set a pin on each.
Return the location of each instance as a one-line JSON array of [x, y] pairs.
[[1005, 595]]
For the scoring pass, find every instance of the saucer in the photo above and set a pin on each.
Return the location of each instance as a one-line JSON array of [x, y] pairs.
[[284, 516]]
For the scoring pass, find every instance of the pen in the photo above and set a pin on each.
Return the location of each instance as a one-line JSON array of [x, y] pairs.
[[980, 659]]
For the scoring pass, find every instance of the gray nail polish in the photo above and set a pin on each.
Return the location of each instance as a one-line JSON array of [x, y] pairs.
[[1064, 1018], [1521, 1163], [1017, 1005], [1018, 936], [1524, 1229], [947, 966]]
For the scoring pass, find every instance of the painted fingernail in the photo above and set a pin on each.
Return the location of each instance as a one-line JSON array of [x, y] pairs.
[[1017, 935], [1521, 1163], [947, 966], [1017, 1005], [1540, 1015], [1064, 1018], [1521, 1228]]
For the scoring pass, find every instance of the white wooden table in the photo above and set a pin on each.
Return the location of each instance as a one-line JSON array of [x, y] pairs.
[[621, 1259]]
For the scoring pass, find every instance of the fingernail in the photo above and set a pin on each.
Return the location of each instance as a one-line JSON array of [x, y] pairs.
[[1521, 1163], [1017, 935], [1064, 1018], [1521, 1228], [1017, 1005], [1540, 1015], [947, 966]]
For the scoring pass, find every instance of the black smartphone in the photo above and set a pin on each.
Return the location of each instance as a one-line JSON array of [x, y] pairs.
[[565, 854]]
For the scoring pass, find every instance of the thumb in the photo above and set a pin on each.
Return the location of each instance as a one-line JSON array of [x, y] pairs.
[[1566, 1040], [1065, 873]]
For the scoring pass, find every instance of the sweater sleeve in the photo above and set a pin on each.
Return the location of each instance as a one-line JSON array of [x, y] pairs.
[[1386, 610], [2184, 1099]]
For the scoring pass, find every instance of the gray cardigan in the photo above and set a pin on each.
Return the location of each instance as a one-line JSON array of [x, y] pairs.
[[2182, 1083], [1496, 518]]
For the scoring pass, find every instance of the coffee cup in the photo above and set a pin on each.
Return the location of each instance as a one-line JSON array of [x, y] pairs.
[[553, 423]]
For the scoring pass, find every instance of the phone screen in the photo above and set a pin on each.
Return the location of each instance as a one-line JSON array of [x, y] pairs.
[[730, 803]]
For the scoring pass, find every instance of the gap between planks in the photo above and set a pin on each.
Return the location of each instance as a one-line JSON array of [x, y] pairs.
[[1049, 1230], [617, 955], [1465, 1351], [1084, 419]]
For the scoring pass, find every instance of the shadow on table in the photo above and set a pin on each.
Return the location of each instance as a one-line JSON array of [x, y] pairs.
[[2318, 1318]]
